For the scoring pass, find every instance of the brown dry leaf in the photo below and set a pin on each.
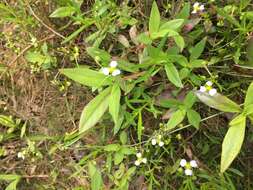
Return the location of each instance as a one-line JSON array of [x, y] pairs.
[[123, 40], [133, 34]]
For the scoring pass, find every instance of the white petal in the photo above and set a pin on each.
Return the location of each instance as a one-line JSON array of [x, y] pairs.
[[105, 70], [137, 163], [144, 160], [113, 64], [196, 4], [201, 7], [194, 12], [188, 172], [161, 144], [138, 155], [209, 83], [202, 89], [212, 92], [116, 72], [153, 141], [193, 163], [183, 163]]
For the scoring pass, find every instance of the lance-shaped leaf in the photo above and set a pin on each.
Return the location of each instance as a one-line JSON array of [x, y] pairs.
[[87, 77], [173, 75], [114, 102], [154, 20], [232, 142], [95, 176], [218, 102], [197, 50], [94, 110], [248, 102]]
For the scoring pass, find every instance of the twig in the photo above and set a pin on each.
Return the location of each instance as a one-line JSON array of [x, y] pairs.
[[45, 25], [35, 176]]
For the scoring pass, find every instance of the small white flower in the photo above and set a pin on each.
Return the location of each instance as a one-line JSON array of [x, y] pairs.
[[209, 83], [183, 163], [212, 92], [21, 155], [193, 164], [144, 160], [113, 64], [116, 72], [188, 172], [137, 163], [202, 89], [161, 143], [138, 155], [153, 142], [197, 7], [105, 70]]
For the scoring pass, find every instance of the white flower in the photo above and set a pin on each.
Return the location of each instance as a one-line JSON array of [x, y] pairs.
[[209, 83], [202, 89], [138, 155], [113, 64], [193, 164], [112, 70], [153, 141], [161, 143], [21, 155], [105, 70], [137, 163], [183, 163], [212, 92], [197, 7], [144, 160], [208, 88], [188, 172], [116, 72]]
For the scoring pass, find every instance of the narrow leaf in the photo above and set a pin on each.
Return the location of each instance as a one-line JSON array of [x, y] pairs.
[[218, 102], [232, 143], [139, 126], [173, 75], [74, 34], [185, 12], [95, 176], [87, 77], [249, 96], [94, 110], [172, 24], [154, 20], [114, 102], [63, 12]]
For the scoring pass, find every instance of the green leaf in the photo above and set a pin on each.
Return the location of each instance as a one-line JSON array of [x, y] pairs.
[[230, 18], [179, 41], [197, 50], [114, 102], [95, 176], [185, 12], [94, 110], [74, 34], [193, 118], [190, 99], [99, 54], [123, 137], [249, 96], [139, 127], [112, 147], [118, 158], [176, 118], [172, 24], [144, 38], [154, 19], [87, 77], [173, 75], [232, 143], [13, 185], [218, 102], [197, 63], [248, 110], [63, 12]]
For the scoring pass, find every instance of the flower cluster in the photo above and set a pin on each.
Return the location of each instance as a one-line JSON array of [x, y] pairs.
[[208, 88], [140, 159], [158, 141], [112, 70], [197, 7], [188, 166]]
